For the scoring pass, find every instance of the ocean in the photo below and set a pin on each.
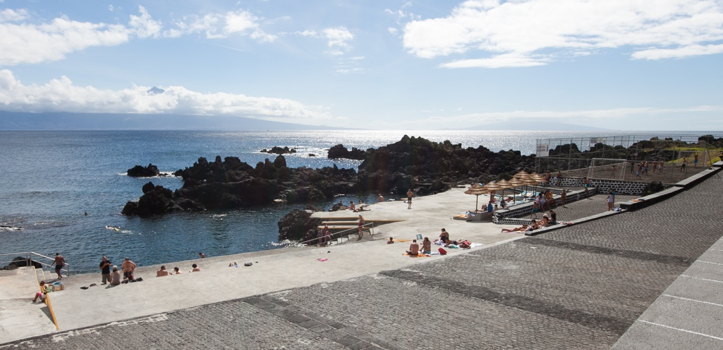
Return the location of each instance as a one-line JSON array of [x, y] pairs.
[[51, 179]]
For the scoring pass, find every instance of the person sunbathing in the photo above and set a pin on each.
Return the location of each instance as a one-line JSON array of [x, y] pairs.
[[413, 248], [426, 246], [444, 236], [545, 221], [516, 229], [162, 272]]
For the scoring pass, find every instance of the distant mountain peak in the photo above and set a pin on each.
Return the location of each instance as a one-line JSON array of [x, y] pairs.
[[155, 91]]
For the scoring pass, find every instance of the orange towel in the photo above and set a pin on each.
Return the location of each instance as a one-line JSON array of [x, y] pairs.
[[418, 256]]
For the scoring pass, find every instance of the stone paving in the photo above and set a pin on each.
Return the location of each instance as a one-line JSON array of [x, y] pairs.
[[580, 287]]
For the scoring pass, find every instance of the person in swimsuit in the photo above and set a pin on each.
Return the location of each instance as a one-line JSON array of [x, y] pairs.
[[413, 248], [59, 262], [361, 227], [444, 236], [426, 246], [410, 194], [611, 201]]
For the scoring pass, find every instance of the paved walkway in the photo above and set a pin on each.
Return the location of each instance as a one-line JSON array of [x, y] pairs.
[[580, 287]]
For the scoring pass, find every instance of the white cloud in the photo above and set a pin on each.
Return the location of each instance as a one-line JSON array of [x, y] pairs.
[[216, 26], [28, 43], [523, 29], [9, 15], [499, 61], [22, 42], [393, 30], [61, 95], [144, 26], [338, 37], [681, 52]]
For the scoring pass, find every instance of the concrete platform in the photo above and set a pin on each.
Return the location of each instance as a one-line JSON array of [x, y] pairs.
[[586, 286], [272, 270]]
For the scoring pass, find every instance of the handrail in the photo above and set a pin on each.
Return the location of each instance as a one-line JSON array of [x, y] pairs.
[[29, 257], [47, 299], [66, 267], [370, 225]]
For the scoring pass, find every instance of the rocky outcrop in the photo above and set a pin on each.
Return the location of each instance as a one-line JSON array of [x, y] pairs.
[[140, 171], [415, 162], [20, 262], [279, 150], [339, 151], [231, 183], [425, 166], [298, 225]]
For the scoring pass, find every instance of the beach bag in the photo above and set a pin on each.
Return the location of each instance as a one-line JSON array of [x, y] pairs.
[[442, 251]]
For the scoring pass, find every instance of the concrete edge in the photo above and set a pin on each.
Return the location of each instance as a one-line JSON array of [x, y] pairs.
[[672, 191], [574, 222]]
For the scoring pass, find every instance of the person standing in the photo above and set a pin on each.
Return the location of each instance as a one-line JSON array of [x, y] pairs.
[[563, 198], [128, 267], [105, 266], [410, 194], [611, 201], [59, 262]]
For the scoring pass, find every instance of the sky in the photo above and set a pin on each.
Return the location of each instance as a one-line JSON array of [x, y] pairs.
[[432, 64]]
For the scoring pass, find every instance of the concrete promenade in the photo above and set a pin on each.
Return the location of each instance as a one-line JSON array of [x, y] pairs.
[[645, 279]]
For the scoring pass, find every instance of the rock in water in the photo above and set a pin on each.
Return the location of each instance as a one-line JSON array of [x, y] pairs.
[[139, 171], [298, 225]]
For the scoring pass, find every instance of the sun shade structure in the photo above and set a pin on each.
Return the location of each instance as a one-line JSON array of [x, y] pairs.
[[476, 190], [514, 183]]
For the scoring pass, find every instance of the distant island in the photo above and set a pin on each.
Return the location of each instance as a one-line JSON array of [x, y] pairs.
[[117, 121]]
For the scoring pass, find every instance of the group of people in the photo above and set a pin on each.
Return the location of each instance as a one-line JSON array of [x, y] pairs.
[[163, 272], [548, 219], [114, 276], [544, 201]]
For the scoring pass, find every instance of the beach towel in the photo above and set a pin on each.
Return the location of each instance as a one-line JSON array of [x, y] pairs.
[[401, 240], [420, 255]]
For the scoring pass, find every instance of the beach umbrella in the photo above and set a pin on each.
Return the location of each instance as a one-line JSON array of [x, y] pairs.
[[491, 187], [522, 174], [514, 182], [538, 179], [504, 185], [476, 189]]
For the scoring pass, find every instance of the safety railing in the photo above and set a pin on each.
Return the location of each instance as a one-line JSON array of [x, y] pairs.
[[342, 234], [33, 257]]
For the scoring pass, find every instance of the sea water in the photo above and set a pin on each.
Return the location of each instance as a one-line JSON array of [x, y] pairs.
[[50, 180]]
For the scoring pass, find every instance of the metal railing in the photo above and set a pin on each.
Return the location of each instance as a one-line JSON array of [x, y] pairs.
[[342, 234], [30, 257]]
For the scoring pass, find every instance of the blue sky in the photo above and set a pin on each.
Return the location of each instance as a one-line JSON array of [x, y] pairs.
[[615, 64]]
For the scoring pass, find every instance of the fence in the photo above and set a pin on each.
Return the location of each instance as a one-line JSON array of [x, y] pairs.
[[668, 160]]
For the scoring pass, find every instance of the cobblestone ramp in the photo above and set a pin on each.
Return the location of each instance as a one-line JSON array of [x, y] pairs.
[[579, 287]]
